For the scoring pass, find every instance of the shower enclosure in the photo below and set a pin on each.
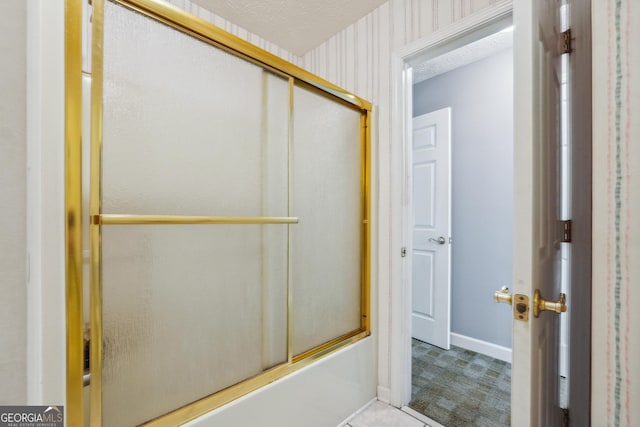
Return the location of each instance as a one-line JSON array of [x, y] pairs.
[[227, 214]]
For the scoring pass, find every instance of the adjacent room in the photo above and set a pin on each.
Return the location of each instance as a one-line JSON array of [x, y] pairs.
[[462, 202]]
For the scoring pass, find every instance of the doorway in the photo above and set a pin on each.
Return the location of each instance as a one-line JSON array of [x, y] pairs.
[[474, 83], [537, 236]]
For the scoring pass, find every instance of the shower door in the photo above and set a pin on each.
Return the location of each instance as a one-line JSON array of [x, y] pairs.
[[229, 216]]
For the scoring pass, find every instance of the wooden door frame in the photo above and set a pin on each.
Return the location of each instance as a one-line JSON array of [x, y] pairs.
[[486, 22]]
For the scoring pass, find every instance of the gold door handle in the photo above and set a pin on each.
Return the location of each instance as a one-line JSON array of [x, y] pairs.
[[540, 304]]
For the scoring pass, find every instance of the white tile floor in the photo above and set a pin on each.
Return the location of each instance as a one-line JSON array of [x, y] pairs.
[[379, 414]]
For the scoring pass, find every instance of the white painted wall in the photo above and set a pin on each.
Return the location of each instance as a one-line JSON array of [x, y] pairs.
[[13, 185]]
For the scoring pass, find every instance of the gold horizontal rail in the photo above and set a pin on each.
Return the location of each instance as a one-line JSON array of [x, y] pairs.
[[323, 348], [114, 219]]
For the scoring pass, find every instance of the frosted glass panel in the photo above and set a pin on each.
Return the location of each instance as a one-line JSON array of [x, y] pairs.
[[187, 311], [327, 197], [188, 129]]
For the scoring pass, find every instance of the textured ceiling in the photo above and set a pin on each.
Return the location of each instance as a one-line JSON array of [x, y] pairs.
[[296, 25], [464, 55]]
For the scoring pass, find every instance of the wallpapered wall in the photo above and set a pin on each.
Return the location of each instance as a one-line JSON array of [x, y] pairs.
[[616, 213], [357, 58]]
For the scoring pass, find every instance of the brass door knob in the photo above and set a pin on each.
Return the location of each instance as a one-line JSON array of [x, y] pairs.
[[540, 304]]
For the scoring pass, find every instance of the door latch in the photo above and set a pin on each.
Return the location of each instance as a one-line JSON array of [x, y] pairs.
[[519, 302], [521, 307]]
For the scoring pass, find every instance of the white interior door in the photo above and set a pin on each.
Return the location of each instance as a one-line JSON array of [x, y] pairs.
[[431, 227], [536, 210]]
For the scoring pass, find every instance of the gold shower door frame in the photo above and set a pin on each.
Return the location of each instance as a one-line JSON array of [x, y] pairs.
[[203, 31]]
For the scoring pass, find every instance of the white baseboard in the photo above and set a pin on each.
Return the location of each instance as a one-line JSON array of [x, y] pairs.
[[493, 350]]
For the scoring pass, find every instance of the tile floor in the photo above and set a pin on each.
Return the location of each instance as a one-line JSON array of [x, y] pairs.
[[459, 387], [379, 414]]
